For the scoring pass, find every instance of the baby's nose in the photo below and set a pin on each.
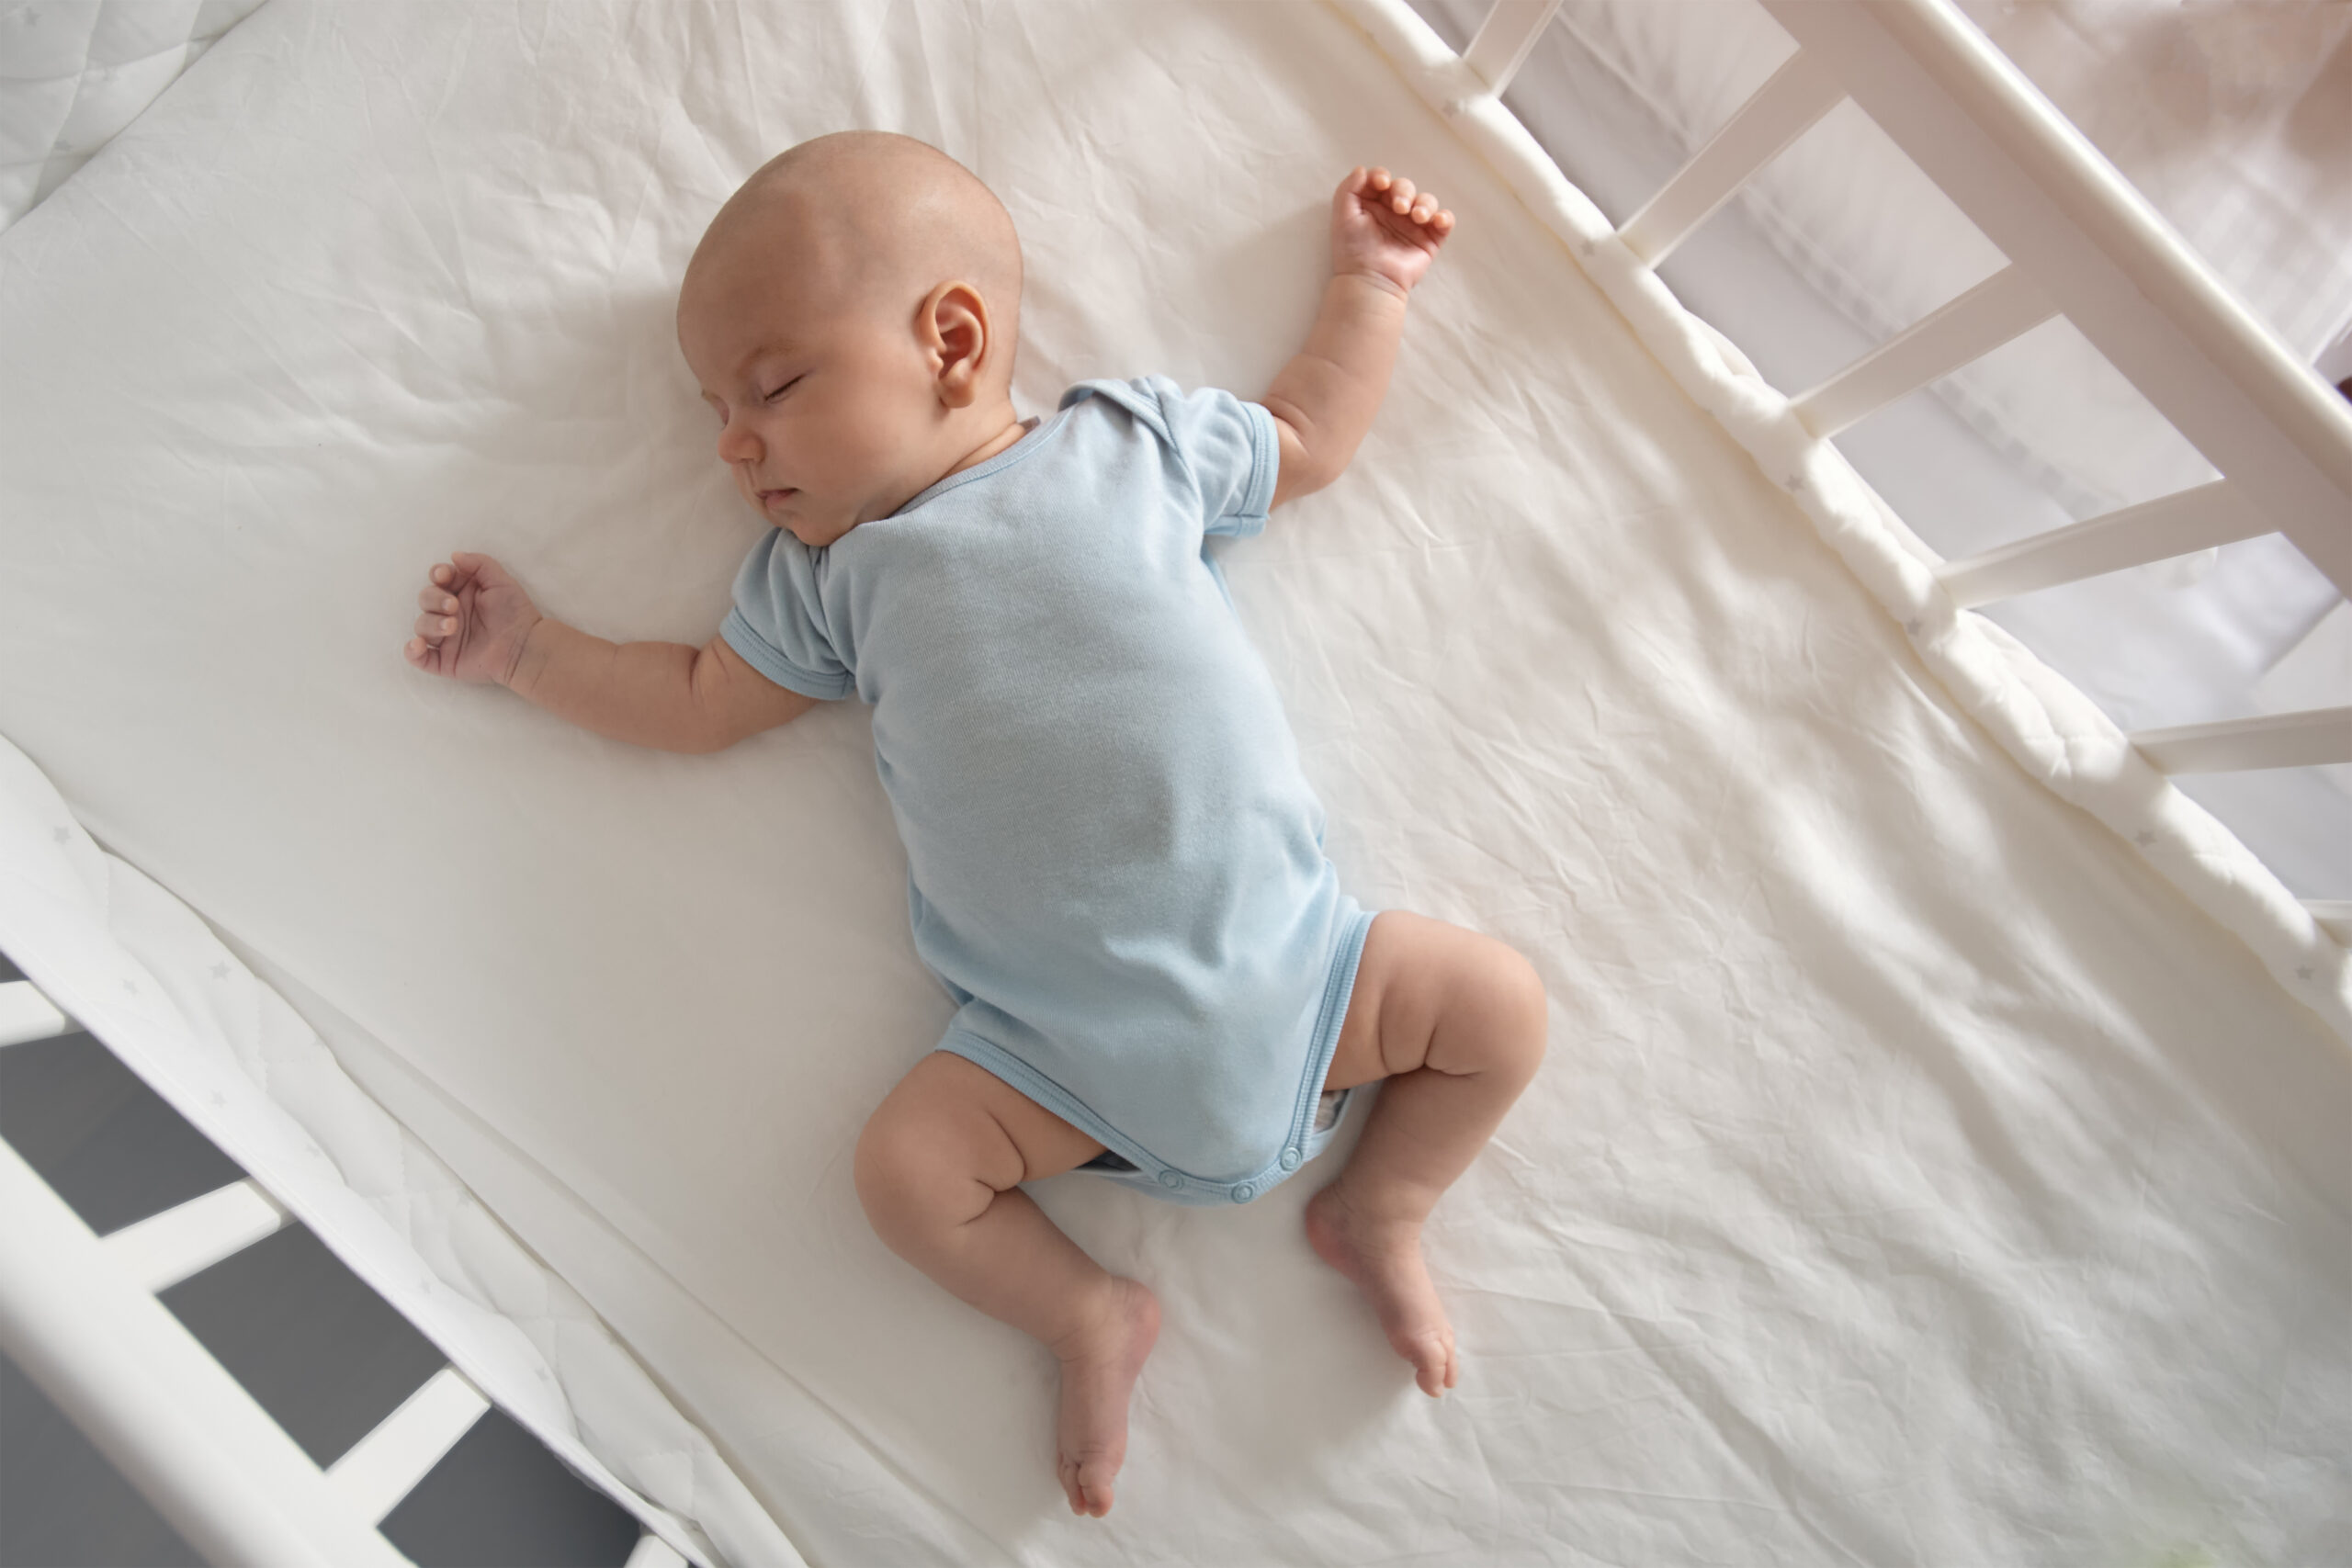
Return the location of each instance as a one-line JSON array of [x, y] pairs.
[[737, 444]]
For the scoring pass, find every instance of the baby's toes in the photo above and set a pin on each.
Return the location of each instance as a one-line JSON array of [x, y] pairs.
[[1088, 1480], [1432, 1352]]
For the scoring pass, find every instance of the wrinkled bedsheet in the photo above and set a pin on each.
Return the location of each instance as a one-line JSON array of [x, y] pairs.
[[1917, 1174]]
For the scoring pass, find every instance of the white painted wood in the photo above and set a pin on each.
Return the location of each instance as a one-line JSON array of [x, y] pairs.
[[155, 1402], [26, 1015], [2057, 209], [2155, 530], [1782, 109], [1962, 330], [1503, 39], [2334, 915], [385, 1466], [163, 1249], [2275, 740], [652, 1551]]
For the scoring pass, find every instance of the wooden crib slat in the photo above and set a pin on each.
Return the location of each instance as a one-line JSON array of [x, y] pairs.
[[1509, 30], [163, 1249], [2334, 914], [385, 1466], [1782, 109], [155, 1402], [2036, 188], [2308, 738], [2171, 526], [26, 1015], [2002, 307]]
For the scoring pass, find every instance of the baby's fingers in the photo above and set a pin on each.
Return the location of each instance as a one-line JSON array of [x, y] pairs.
[[439, 600], [433, 628]]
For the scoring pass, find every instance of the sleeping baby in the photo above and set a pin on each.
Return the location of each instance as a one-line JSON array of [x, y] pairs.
[[1115, 865]]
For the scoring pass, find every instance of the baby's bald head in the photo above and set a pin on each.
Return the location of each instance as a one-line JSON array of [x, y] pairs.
[[851, 316], [868, 222]]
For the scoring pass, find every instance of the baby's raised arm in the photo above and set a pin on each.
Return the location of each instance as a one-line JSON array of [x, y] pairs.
[[1383, 236], [477, 624]]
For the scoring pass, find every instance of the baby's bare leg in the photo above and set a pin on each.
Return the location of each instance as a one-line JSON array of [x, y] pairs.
[[937, 1169], [1455, 1023]]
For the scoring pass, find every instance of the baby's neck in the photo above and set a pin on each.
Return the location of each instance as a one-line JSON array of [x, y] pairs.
[[1003, 430]]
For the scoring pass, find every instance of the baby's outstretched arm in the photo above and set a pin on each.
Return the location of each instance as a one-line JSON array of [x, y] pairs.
[[477, 624], [1383, 236]]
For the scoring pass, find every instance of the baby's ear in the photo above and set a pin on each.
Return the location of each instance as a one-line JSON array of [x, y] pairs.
[[960, 339]]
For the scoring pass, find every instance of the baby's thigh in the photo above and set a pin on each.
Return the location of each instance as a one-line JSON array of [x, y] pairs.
[[950, 1120], [1416, 973]]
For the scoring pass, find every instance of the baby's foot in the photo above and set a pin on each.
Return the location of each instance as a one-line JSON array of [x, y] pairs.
[[1384, 1259], [1099, 1368]]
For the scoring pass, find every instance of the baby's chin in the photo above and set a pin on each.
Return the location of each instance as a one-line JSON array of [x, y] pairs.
[[809, 531]]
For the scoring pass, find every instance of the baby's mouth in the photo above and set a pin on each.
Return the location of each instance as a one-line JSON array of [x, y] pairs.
[[770, 497]]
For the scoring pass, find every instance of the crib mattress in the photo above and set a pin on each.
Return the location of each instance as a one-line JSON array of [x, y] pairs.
[[1917, 1174]]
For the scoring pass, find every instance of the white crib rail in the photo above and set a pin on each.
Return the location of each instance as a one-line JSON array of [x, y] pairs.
[[2081, 242], [78, 1312], [1782, 109], [2006, 305], [153, 1401], [26, 1015], [2063, 215], [1509, 30], [2155, 530]]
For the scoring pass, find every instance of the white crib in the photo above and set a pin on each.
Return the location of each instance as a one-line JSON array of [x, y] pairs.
[[78, 1311]]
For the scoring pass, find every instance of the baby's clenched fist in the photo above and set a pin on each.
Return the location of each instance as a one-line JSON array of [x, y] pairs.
[[1384, 229], [473, 621]]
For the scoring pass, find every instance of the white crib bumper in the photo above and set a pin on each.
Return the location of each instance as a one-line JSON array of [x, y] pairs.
[[143, 972]]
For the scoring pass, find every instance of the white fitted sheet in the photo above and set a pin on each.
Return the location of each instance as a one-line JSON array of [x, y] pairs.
[[1917, 1172]]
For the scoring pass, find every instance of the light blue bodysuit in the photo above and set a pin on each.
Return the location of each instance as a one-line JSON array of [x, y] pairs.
[[1113, 862]]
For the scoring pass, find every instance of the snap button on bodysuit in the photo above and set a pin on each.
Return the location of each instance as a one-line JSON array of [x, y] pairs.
[[1170, 1179], [1290, 1159], [1243, 1192]]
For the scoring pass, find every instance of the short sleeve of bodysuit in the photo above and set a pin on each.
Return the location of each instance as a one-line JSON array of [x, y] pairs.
[[778, 621], [1227, 445]]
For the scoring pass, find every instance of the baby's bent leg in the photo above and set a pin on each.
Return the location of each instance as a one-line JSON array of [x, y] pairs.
[[1455, 1023], [938, 1167]]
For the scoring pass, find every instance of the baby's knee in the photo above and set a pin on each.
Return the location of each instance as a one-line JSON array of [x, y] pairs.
[[895, 1172], [930, 1158], [1511, 987]]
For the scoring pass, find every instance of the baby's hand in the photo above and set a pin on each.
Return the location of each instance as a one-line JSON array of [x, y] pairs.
[[1383, 228], [475, 621]]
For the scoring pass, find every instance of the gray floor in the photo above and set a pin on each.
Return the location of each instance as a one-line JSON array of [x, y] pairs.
[[316, 1348]]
